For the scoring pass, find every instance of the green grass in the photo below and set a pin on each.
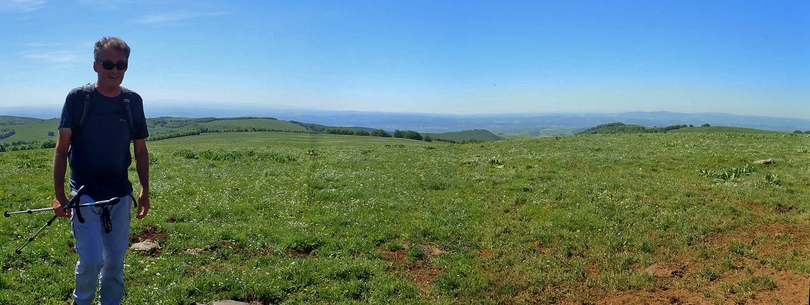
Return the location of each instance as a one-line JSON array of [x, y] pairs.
[[32, 131], [305, 218], [256, 123], [249, 140], [460, 136]]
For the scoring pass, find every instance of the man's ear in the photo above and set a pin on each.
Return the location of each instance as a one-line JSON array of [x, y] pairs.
[[95, 66]]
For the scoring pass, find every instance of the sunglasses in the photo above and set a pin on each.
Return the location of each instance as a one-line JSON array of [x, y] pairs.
[[109, 64]]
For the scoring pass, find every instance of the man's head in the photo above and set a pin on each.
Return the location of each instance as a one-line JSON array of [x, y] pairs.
[[111, 56]]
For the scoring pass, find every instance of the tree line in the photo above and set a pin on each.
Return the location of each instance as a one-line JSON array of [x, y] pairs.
[[5, 133], [618, 127]]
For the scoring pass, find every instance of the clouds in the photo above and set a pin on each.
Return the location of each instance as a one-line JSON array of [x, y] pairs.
[[173, 18], [27, 6], [23, 6], [53, 52], [177, 17], [57, 56]]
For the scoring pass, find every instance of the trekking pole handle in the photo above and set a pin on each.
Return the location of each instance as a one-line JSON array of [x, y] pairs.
[[110, 201]]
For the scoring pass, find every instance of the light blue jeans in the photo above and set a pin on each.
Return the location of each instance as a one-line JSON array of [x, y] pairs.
[[101, 254]]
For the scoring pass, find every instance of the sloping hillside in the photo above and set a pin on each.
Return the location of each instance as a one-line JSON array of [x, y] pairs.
[[15, 120], [29, 130]]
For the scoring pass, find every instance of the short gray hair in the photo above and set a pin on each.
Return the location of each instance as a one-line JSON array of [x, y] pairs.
[[111, 43]]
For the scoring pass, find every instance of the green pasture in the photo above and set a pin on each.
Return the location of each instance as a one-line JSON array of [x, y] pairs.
[[32, 131], [29, 130], [254, 123], [173, 124], [289, 218], [6, 120], [460, 136], [304, 141]]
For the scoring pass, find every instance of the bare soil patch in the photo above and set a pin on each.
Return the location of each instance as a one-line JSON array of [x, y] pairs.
[[419, 271], [150, 232], [686, 285]]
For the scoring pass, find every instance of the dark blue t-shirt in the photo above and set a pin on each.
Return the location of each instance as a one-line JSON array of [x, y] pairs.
[[100, 153]]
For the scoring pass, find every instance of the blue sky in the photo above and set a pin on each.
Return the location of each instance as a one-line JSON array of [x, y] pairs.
[[743, 57]]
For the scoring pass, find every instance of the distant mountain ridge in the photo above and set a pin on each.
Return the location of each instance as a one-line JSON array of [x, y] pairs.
[[497, 123]]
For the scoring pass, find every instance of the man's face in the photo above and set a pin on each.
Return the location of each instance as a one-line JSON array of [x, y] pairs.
[[114, 76]]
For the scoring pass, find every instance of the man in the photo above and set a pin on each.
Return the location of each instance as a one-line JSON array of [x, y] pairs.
[[98, 123]]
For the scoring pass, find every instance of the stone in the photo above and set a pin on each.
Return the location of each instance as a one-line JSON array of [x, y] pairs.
[[146, 245]]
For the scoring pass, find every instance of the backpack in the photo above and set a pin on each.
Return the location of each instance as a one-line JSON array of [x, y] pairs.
[[88, 98]]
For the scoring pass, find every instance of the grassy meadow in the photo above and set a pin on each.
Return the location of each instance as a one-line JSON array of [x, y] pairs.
[[34, 130], [295, 218]]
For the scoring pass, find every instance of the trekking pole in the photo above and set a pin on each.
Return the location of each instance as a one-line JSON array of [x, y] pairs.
[[28, 211], [30, 239], [110, 201], [73, 203]]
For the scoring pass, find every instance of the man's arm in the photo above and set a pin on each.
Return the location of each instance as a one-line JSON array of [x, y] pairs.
[[142, 166], [59, 170]]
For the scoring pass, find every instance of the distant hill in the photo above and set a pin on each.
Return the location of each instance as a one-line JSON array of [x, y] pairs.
[[36, 130], [162, 125], [498, 126], [510, 125], [29, 129], [541, 124], [15, 120], [708, 129], [618, 127], [32, 130]]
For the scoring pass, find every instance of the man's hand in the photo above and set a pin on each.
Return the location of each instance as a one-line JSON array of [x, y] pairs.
[[143, 205], [58, 203]]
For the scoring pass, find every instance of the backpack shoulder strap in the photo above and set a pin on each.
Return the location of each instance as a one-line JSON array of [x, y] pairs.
[[87, 89], [126, 93]]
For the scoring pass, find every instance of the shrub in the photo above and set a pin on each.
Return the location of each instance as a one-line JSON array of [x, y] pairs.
[[340, 131], [48, 144], [5, 133], [413, 135], [380, 133]]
